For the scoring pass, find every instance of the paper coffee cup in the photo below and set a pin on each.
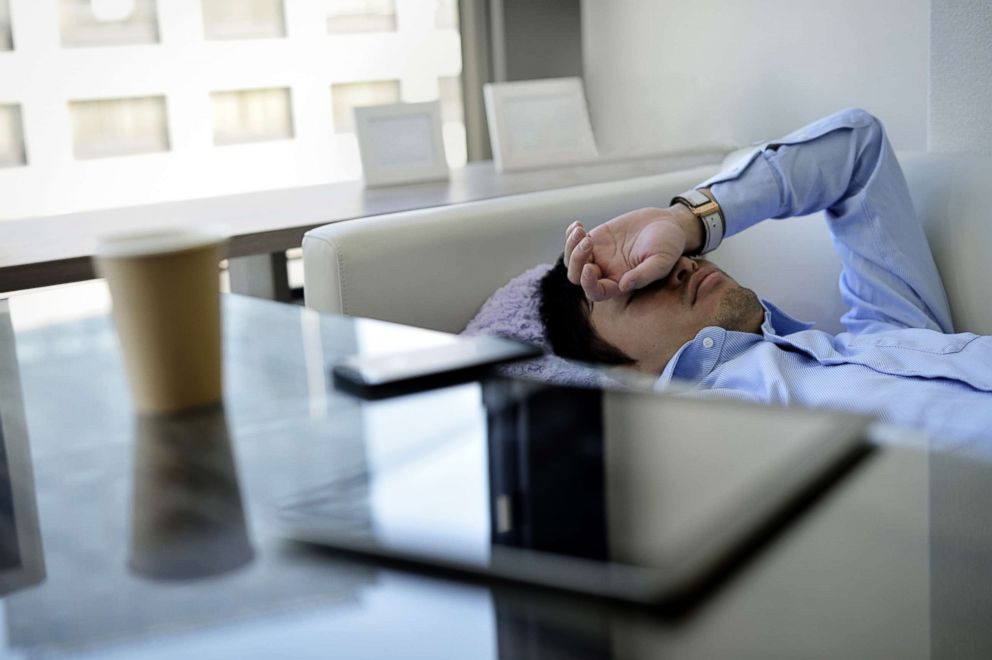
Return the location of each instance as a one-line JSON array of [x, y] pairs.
[[166, 306]]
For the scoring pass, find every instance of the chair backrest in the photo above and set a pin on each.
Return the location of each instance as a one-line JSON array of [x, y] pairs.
[[435, 267]]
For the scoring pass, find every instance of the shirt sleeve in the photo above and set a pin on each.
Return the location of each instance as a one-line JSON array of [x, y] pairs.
[[844, 166]]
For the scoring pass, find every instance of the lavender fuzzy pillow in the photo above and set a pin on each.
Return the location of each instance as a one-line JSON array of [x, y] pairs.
[[513, 312]]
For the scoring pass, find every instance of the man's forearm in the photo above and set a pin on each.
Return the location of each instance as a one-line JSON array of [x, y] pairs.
[[838, 155], [844, 165]]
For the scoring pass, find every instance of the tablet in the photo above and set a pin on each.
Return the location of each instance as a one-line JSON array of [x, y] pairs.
[[632, 495]]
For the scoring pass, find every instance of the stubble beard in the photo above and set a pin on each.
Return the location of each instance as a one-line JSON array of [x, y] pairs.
[[740, 310]]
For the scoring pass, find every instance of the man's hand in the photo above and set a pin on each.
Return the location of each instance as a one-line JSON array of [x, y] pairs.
[[630, 251]]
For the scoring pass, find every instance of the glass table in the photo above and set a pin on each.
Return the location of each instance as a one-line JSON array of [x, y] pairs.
[[115, 543]]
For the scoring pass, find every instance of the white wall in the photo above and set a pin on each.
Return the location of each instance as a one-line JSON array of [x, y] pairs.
[[664, 75], [961, 76]]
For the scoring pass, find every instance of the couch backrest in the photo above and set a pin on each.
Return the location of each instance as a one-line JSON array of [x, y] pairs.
[[435, 267], [951, 192], [793, 263]]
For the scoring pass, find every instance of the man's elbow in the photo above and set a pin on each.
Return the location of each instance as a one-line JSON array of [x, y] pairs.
[[861, 117]]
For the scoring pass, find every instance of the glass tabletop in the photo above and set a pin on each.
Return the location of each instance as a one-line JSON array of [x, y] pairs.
[[115, 543]]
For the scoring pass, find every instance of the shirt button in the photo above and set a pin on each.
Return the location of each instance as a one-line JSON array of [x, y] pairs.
[[708, 342]]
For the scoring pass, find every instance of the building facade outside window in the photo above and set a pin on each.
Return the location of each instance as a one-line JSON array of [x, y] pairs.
[[345, 97], [358, 16], [243, 19], [143, 101], [99, 23], [252, 115], [11, 137], [6, 37], [118, 127]]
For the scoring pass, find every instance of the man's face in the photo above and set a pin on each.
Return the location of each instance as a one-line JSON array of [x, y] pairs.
[[650, 324]]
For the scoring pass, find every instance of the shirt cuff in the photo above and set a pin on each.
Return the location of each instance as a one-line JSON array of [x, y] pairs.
[[747, 196]]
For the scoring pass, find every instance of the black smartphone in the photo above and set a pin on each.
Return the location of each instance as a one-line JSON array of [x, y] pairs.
[[397, 373]]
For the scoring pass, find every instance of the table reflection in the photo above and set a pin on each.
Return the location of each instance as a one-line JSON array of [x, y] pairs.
[[893, 562], [187, 516], [669, 490], [22, 562]]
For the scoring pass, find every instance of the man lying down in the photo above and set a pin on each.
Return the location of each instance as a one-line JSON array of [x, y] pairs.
[[635, 291]]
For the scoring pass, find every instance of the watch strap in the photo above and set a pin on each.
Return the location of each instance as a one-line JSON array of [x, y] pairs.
[[704, 207]]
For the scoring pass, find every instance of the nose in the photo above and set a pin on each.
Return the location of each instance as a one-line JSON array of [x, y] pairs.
[[681, 272]]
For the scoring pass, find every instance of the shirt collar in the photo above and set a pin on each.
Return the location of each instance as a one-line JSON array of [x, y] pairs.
[[777, 323], [712, 345]]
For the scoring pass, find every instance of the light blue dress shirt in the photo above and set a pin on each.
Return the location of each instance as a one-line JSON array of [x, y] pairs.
[[899, 359]]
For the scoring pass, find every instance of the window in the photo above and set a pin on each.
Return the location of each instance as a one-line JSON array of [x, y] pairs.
[[446, 15], [11, 137], [243, 19], [252, 115], [453, 118], [450, 93], [356, 16], [108, 22], [6, 36], [347, 96], [118, 127], [185, 79]]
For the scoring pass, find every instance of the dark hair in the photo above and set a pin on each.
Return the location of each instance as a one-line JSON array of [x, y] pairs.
[[565, 315]]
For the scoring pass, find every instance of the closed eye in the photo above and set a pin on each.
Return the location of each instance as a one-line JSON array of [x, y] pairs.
[[651, 288]]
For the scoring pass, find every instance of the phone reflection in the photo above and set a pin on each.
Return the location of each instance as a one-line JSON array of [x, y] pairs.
[[187, 516]]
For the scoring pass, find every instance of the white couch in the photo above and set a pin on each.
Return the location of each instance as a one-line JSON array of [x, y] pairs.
[[435, 267]]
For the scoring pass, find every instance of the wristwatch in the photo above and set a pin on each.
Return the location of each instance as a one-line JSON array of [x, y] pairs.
[[704, 207]]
